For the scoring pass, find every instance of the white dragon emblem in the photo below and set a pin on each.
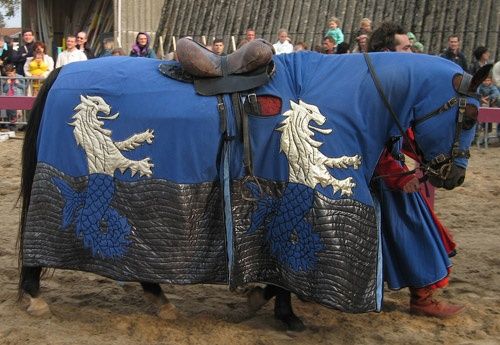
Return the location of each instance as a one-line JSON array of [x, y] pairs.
[[103, 154], [307, 165]]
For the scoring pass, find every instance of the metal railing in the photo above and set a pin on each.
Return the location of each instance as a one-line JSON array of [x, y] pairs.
[[14, 109]]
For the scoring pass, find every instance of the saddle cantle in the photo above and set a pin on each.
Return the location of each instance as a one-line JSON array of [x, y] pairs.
[[249, 67]]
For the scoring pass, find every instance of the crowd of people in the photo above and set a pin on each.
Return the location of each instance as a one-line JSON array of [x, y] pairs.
[[24, 70]]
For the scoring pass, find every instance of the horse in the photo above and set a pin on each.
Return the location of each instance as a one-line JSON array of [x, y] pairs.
[[160, 191]]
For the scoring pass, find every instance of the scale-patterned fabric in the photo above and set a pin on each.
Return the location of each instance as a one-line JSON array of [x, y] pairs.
[[136, 182]]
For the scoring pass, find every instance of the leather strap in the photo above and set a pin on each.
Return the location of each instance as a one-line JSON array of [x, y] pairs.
[[378, 85]]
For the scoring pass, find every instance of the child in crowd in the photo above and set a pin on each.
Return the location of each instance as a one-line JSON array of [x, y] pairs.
[[13, 86], [365, 27], [334, 30], [38, 68], [490, 96]]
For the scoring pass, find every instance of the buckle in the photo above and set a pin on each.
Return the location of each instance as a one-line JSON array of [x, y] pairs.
[[252, 98], [451, 102], [440, 159], [220, 107], [462, 102]]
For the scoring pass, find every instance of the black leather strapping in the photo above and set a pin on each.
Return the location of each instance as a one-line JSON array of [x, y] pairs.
[[221, 108], [378, 85], [240, 113]]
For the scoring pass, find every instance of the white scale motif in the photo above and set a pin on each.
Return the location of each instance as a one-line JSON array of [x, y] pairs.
[[306, 163]]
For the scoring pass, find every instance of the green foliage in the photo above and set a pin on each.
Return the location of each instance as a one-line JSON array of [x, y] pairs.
[[9, 7]]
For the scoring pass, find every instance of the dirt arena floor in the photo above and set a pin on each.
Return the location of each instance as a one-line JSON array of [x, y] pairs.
[[89, 309]]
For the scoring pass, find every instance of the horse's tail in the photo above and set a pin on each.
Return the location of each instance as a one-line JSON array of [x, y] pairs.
[[29, 160]]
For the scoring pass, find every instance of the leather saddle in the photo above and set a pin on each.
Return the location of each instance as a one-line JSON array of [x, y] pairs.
[[247, 68]]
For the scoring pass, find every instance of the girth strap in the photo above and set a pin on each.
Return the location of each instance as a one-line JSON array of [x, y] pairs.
[[242, 118]]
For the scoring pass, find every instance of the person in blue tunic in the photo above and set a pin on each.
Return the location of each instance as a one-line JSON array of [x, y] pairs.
[[415, 246]]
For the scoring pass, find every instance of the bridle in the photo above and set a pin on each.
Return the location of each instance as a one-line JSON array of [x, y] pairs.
[[441, 165]]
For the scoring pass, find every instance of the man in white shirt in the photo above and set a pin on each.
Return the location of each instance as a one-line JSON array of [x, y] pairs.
[[283, 45], [71, 54]]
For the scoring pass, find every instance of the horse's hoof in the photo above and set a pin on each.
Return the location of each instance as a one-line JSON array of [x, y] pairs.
[[256, 299], [292, 322], [38, 307], [168, 311]]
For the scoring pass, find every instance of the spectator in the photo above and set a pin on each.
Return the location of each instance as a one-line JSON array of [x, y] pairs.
[[417, 47], [365, 27], [141, 47], [108, 46], [300, 46], [481, 58], [5, 53], [329, 45], [13, 86], [334, 30], [283, 46], [118, 52], [389, 37], [454, 54], [218, 46], [361, 44], [496, 74], [343, 48], [71, 54], [82, 45], [490, 96], [249, 36], [411, 37], [24, 52], [38, 66]]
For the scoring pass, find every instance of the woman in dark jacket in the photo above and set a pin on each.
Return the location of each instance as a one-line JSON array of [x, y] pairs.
[[141, 47]]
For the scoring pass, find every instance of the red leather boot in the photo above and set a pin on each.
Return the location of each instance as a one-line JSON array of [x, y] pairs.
[[422, 303]]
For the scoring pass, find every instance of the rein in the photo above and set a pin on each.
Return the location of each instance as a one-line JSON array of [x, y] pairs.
[[444, 162]]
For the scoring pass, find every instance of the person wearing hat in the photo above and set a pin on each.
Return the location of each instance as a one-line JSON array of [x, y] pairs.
[[481, 58]]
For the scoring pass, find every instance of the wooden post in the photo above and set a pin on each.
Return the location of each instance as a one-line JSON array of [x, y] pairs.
[[160, 48], [233, 43], [174, 43]]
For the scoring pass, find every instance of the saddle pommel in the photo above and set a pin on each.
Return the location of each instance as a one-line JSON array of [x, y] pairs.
[[203, 63]]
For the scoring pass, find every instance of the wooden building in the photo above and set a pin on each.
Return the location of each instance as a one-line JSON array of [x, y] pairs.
[[432, 21]]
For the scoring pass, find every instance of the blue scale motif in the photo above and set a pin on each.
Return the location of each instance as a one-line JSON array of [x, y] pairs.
[[290, 235], [100, 226]]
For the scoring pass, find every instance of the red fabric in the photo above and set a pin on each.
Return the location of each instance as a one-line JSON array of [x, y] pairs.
[[391, 171]]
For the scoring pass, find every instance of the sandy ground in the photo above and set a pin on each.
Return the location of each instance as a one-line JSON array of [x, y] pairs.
[[88, 309]]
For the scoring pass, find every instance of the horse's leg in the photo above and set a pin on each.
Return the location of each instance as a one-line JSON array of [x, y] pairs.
[[258, 297], [153, 293], [283, 311], [30, 291]]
